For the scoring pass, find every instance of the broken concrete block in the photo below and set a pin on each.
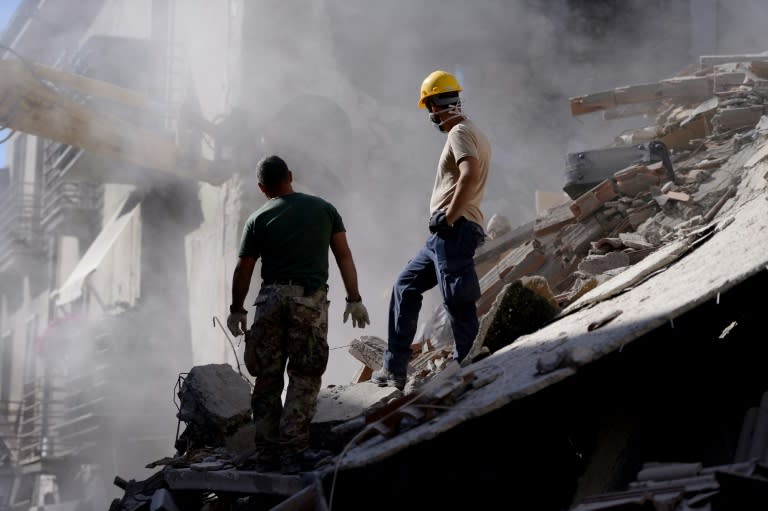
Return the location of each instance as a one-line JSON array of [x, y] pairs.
[[713, 60], [523, 260], [516, 311], [552, 220], [634, 240], [697, 176], [214, 402], [597, 264], [689, 87], [492, 249], [759, 68], [581, 285], [592, 200], [711, 163], [575, 239], [640, 215], [733, 118], [540, 286], [341, 403], [605, 245], [369, 350], [680, 137], [635, 179], [725, 80], [678, 196]]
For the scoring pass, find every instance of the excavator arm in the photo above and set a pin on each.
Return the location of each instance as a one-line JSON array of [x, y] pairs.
[[52, 104]]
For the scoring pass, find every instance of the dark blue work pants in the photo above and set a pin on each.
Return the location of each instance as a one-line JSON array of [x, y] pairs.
[[446, 260]]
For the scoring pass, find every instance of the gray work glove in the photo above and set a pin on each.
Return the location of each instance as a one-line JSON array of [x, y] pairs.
[[237, 322], [358, 312]]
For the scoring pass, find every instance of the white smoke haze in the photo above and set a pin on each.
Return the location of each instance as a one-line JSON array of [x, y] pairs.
[[518, 62], [334, 88]]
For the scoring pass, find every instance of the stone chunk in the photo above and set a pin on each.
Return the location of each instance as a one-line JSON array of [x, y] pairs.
[[214, 402], [634, 240], [597, 264], [575, 239], [516, 311], [592, 200], [638, 178], [553, 219]]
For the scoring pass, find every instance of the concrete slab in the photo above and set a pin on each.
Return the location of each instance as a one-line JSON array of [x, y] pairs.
[[341, 403]]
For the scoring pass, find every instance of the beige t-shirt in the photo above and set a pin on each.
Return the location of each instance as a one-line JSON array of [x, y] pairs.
[[464, 139]]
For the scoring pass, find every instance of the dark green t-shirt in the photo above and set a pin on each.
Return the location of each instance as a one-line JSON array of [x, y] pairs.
[[292, 235]]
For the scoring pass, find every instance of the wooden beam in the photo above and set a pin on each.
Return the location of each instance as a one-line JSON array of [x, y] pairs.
[[711, 60], [691, 87]]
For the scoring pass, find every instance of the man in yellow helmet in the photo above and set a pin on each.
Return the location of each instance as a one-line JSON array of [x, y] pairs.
[[455, 224]]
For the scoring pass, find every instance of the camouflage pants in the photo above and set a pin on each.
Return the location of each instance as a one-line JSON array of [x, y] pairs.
[[288, 328]]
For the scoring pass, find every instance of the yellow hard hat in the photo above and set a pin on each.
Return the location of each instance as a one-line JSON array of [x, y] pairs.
[[438, 82]]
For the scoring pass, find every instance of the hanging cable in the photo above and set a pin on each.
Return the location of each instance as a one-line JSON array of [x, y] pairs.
[[234, 351]]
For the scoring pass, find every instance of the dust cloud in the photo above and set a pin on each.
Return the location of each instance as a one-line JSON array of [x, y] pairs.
[[334, 87], [352, 133], [518, 62]]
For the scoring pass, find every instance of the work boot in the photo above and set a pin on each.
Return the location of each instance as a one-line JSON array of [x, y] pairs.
[[258, 459], [292, 463], [305, 461], [383, 377]]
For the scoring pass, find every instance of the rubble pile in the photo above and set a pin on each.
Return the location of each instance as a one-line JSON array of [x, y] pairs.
[[653, 186]]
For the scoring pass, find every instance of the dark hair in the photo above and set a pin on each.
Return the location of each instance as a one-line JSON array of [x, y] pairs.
[[271, 171]]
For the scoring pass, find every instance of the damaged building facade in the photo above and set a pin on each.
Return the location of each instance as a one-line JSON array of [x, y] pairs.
[[112, 270], [111, 275]]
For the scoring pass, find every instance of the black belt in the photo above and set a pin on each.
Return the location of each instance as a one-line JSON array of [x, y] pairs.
[[309, 288], [285, 282]]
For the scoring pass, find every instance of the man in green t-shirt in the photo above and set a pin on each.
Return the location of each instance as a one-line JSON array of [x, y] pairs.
[[291, 234]]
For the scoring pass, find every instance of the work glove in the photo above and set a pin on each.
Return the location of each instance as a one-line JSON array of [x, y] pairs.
[[358, 312], [237, 321], [438, 223]]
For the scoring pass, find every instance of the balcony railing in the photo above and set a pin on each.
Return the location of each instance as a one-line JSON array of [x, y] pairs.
[[20, 231], [61, 415], [68, 205]]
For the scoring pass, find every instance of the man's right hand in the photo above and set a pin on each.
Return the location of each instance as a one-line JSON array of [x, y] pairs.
[[237, 322], [438, 223]]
